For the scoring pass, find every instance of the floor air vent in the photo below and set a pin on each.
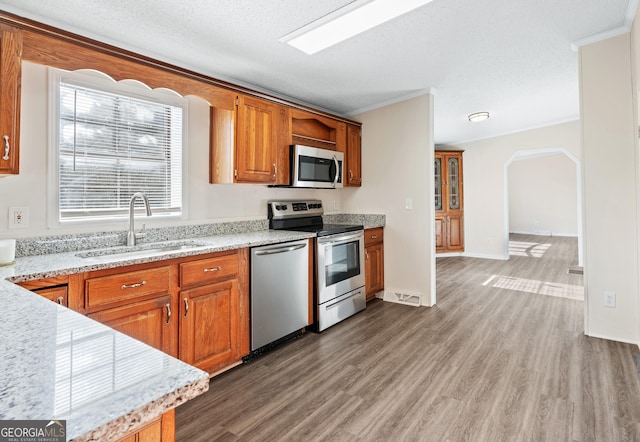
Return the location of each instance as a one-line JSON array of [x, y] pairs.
[[402, 298]]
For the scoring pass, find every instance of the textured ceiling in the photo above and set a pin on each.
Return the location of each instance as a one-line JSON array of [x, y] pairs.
[[512, 58]]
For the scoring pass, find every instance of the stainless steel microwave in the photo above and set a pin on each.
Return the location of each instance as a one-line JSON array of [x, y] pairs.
[[316, 168]]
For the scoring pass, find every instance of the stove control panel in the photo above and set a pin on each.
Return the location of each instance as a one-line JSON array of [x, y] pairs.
[[294, 208]]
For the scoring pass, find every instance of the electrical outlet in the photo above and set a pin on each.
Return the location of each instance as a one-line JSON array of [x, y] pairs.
[[408, 204], [18, 217], [609, 299]]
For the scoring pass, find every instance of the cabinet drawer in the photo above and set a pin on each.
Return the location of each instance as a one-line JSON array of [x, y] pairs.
[[126, 286], [373, 236], [208, 270]]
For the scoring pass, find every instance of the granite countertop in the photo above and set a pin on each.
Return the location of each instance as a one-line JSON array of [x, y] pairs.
[[59, 364]]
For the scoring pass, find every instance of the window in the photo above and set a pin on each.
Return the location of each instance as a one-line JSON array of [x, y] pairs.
[[112, 140]]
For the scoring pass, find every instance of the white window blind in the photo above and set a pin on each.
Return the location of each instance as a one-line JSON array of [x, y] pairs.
[[113, 144]]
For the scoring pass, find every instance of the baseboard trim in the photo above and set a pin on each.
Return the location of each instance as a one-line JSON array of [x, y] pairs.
[[545, 233], [610, 338], [484, 256]]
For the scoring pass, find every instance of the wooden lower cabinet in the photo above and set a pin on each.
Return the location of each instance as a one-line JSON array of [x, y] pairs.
[[449, 233], [195, 308], [161, 429], [374, 262], [56, 294], [55, 289], [151, 321], [209, 325], [214, 311]]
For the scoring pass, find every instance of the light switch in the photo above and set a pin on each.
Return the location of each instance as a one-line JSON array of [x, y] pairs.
[[408, 203]]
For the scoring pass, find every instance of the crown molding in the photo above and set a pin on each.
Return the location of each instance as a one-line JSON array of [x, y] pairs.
[[629, 17], [414, 94]]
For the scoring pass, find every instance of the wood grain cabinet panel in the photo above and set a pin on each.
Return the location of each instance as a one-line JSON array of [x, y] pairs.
[[353, 169], [251, 143], [256, 141], [10, 85], [152, 322], [161, 429], [210, 325], [214, 311], [59, 295], [374, 261], [126, 286], [208, 270]]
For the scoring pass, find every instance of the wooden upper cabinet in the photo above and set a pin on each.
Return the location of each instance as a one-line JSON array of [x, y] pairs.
[[257, 141], [10, 81], [309, 129], [353, 169], [250, 144]]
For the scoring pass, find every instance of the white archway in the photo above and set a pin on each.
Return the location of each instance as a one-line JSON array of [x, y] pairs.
[[535, 153]]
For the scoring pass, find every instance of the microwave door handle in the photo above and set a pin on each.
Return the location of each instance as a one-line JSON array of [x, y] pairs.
[[335, 180]]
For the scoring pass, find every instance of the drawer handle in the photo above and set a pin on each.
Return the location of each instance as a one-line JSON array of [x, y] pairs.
[[374, 236], [213, 269], [59, 300], [186, 307], [168, 306], [7, 147], [133, 286]]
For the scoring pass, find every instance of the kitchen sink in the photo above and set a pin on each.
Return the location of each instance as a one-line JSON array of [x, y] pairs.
[[138, 251]]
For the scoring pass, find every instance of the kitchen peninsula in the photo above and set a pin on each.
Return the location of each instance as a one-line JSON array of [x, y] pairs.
[[59, 364]]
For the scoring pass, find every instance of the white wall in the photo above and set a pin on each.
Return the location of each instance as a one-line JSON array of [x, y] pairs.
[[610, 167], [543, 196], [397, 164], [484, 182], [205, 202]]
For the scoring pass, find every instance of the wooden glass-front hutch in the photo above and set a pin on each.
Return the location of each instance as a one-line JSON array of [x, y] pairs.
[[448, 201]]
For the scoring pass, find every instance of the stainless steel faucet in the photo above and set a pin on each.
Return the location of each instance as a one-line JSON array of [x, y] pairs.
[[132, 235]]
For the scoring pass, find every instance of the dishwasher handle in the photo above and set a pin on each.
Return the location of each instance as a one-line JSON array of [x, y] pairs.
[[280, 250]]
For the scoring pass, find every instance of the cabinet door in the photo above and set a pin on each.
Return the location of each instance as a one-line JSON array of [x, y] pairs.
[[454, 184], [161, 429], [257, 141], [441, 231], [354, 156], [455, 234], [55, 294], [438, 181], [374, 271], [210, 319], [10, 78], [151, 322]]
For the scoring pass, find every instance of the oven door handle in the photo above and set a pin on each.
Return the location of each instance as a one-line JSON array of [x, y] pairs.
[[340, 239], [340, 301], [280, 250]]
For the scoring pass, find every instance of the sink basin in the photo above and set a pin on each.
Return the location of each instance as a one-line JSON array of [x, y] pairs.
[[138, 251]]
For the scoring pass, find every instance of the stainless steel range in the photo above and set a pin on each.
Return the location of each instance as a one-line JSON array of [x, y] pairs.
[[339, 259]]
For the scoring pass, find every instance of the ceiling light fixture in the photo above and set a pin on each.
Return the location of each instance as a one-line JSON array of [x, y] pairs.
[[478, 116], [344, 23]]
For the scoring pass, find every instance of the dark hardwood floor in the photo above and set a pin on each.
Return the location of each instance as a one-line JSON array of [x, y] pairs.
[[502, 357]]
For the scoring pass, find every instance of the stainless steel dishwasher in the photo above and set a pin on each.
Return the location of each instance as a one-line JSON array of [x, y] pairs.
[[279, 291]]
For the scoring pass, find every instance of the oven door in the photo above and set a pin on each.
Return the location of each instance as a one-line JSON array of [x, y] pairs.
[[340, 264]]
